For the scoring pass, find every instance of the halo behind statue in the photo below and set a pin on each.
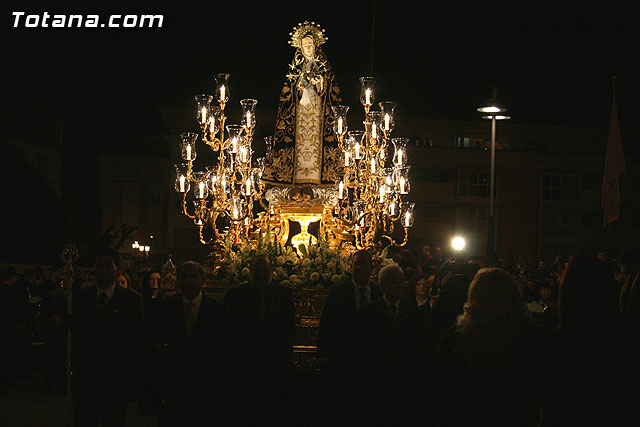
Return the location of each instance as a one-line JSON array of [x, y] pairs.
[[307, 29]]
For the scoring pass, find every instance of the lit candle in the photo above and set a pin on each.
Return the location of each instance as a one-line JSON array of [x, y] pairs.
[[212, 125], [341, 190], [222, 94], [382, 191], [235, 212], [203, 115], [248, 119], [367, 96], [200, 190], [224, 183], [181, 185], [374, 133], [188, 151], [357, 151], [387, 121], [400, 157], [248, 188], [340, 125], [407, 219], [392, 209], [234, 145], [347, 158], [402, 185], [373, 165]]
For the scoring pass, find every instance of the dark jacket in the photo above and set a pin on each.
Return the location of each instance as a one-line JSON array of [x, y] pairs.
[[338, 322], [263, 322], [107, 350]]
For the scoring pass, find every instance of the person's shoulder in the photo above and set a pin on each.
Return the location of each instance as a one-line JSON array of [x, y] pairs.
[[341, 287], [374, 306], [236, 292], [214, 303], [79, 294], [280, 288]]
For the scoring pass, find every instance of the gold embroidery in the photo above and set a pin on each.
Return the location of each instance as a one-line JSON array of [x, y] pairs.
[[308, 151], [332, 166], [279, 166]]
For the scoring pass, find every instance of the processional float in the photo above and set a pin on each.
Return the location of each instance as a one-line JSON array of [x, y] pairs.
[[352, 184]]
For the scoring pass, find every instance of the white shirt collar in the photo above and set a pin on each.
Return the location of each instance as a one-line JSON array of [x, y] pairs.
[[386, 301], [109, 291], [367, 286], [196, 301]]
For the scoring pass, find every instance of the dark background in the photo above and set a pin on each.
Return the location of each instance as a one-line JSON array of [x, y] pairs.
[[80, 88]]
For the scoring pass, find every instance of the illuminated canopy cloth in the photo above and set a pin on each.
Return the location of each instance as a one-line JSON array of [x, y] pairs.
[[305, 149]]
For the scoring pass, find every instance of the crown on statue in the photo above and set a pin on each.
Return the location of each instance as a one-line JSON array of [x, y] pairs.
[[305, 29]]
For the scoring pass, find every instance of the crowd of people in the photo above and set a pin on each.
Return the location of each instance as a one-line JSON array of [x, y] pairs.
[[426, 338]]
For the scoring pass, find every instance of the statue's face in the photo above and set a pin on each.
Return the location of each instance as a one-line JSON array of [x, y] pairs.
[[308, 47]]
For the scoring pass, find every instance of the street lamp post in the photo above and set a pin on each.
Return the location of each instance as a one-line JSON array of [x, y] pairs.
[[493, 110]]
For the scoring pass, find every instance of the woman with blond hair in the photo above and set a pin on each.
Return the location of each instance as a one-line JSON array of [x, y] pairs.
[[483, 360]]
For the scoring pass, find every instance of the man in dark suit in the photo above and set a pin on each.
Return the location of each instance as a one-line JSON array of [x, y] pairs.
[[338, 322], [263, 320], [388, 330], [107, 329], [194, 333]]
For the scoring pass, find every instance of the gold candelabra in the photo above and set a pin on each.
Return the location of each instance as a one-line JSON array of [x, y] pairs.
[[224, 194], [372, 188], [370, 192]]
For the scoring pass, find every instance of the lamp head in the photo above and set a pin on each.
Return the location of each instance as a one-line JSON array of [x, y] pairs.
[[458, 243]]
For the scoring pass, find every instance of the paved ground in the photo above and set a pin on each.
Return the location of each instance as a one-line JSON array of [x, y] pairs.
[[23, 405]]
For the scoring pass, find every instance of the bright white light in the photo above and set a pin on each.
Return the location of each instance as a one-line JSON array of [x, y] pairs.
[[490, 109], [458, 243]]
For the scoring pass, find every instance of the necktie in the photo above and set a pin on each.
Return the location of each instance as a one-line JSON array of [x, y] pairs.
[[393, 311], [363, 297], [102, 304], [189, 316]]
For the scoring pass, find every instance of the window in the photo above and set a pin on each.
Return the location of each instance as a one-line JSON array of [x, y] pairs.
[[440, 176], [473, 184], [560, 223], [471, 220], [466, 142], [560, 187]]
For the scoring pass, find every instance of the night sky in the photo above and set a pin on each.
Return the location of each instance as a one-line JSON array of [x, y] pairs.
[[551, 64]]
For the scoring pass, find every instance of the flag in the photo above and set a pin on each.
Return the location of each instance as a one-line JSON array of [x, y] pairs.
[[614, 167]]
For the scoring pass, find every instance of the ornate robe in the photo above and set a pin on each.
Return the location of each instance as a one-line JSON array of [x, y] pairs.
[[305, 149]]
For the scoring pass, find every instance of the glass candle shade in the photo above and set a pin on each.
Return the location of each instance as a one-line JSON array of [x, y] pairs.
[[366, 90], [200, 188], [222, 87], [402, 180], [249, 112], [188, 150], [235, 139], [400, 151], [356, 143], [374, 119], [204, 104], [407, 214], [386, 121], [340, 124], [182, 184]]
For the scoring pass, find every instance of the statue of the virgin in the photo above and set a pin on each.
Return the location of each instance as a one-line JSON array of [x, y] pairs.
[[305, 149]]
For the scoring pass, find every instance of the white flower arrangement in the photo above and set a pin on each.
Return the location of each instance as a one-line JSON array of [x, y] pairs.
[[319, 266]]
